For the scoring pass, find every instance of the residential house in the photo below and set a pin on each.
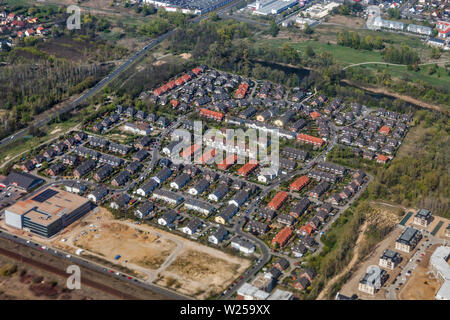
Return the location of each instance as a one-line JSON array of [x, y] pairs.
[[121, 179], [422, 218], [243, 245], [318, 190], [227, 214], [218, 236], [389, 259], [144, 209], [408, 239], [180, 181], [168, 218], [283, 236], [192, 226], [98, 194], [121, 201], [104, 172], [147, 188], [258, 227], [167, 196]]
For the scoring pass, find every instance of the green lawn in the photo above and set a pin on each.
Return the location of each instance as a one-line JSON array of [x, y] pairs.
[[28, 143], [439, 79]]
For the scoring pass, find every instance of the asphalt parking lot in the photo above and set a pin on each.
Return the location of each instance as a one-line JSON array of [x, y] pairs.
[[9, 195]]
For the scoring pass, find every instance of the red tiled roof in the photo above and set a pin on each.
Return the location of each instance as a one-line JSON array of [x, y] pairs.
[[307, 229], [207, 156], [385, 129], [212, 114], [228, 162], [315, 115], [278, 200], [190, 151], [283, 236], [299, 183], [310, 139], [247, 168], [382, 158]]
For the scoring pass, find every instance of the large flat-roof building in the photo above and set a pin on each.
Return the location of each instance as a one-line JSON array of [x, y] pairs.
[[48, 212], [422, 218], [189, 6], [21, 180], [439, 263]]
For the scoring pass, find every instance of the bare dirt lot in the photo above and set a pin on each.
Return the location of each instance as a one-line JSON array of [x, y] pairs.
[[155, 255], [202, 274], [350, 22], [351, 286]]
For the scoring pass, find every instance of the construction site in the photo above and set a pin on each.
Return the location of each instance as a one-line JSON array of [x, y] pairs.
[[151, 254]]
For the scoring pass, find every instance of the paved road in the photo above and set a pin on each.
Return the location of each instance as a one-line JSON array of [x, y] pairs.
[[258, 266], [408, 269]]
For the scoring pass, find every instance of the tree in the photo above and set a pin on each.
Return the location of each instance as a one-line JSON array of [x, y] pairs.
[[435, 53], [274, 28], [307, 29], [309, 51]]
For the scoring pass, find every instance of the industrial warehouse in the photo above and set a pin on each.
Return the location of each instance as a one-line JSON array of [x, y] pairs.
[[48, 212]]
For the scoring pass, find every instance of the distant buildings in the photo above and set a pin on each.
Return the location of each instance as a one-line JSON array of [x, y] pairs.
[[268, 7]]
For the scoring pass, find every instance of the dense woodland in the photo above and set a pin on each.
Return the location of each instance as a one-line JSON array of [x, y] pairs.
[[38, 74]]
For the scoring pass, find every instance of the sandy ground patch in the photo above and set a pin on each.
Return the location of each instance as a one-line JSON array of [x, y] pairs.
[[102, 236], [186, 56], [159, 63], [422, 284], [56, 130], [351, 22]]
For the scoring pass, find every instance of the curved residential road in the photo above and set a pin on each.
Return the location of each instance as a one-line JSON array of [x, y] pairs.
[[261, 262]]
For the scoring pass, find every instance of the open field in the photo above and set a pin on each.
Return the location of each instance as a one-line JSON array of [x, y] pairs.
[[152, 254], [29, 142]]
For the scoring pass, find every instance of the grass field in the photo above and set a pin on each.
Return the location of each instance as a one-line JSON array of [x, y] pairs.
[[342, 55], [28, 143]]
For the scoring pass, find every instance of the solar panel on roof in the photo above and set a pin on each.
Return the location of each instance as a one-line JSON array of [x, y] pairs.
[[47, 194]]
